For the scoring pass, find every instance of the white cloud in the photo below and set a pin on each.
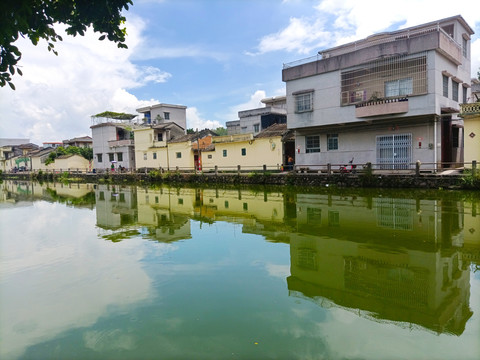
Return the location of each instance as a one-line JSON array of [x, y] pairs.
[[57, 94], [336, 22], [195, 121], [301, 35], [253, 103]]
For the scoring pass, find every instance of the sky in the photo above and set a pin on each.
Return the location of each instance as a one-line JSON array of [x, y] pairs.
[[216, 57]]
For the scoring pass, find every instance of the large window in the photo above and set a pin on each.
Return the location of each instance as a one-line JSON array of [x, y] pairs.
[[244, 151], [464, 98], [332, 142], [224, 153], [110, 157], [166, 115], [399, 87], [119, 156], [256, 127], [455, 90], [99, 158], [304, 102], [178, 155], [445, 85], [154, 156], [312, 144]]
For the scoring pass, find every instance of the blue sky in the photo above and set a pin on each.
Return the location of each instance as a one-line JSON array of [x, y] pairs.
[[215, 57]]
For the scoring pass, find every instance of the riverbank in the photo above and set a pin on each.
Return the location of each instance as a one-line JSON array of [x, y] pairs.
[[345, 180]]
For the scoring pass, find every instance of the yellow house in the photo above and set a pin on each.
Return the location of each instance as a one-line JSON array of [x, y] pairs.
[[248, 151], [151, 144], [471, 119], [72, 162], [38, 158]]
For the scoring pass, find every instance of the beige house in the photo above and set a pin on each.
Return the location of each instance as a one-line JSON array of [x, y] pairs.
[[248, 151], [38, 158], [72, 162], [471, 118], [151, 144]]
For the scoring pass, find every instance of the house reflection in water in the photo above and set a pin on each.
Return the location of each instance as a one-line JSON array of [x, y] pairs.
[[116, 206], [393, 259]]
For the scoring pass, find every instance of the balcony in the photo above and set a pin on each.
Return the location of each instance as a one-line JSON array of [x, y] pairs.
[[381, 107], [118, 143], [159, 144], [470, 109]]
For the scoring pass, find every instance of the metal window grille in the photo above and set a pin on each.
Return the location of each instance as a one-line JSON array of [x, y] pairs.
[[454, 90], [396, 76], [332, 142], [445, 85], [394, 152], [312, 144], [303, 102]]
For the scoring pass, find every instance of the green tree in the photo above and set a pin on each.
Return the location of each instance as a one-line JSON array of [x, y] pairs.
[[87, 153], [221, 131], [35, 20]]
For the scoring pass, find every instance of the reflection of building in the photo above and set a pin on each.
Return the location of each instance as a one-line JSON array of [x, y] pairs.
[[77, 195], [165, 213], [394, 259], [116, 206]]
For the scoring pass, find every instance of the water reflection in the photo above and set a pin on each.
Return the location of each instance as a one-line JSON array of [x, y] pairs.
[[387, 256]]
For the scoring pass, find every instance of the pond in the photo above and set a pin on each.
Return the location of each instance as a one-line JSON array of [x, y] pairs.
[[124, 272]]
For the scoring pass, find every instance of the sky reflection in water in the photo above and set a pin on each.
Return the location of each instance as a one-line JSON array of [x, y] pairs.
[[129, 272]]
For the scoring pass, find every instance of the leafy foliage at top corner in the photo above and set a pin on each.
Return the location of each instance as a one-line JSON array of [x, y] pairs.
[[35, 20]]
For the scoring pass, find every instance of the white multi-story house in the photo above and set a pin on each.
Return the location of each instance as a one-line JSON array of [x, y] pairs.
[[390, 99], [113, 143], [256, 120], [164, 113]]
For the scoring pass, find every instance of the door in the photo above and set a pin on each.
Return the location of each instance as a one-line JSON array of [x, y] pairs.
[[394, 151]]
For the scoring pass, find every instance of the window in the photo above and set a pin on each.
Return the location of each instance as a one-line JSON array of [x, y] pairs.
[[245, 206], [399, 87], [312, 144], [256, 127], [226, 204], [445, 85], [180, 201], [244, 151], [160, 136], [99, 158], [110, 157], [166, 115], [464, 47], [119, 156], [332, 142], [304, 102], [454, 90], [209, 156], [154, 156], [144, 156], [464, 98], [224, 153], [179, 155]]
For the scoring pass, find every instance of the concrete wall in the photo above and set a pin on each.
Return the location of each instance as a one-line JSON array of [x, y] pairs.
[[360, 144]]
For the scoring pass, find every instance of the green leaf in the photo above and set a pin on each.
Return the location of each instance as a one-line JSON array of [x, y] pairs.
[[11, 85]]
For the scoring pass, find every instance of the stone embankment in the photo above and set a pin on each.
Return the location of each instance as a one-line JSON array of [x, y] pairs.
[[423, 181]]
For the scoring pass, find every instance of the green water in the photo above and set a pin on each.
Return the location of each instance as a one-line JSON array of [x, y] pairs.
[[109, 272]]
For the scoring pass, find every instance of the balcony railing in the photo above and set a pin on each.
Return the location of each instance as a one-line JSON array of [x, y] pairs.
[[381, 107], [470, 109], [118, 143]]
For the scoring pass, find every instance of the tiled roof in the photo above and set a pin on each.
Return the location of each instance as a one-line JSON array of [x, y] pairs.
[[275, 130]]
